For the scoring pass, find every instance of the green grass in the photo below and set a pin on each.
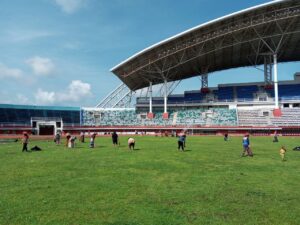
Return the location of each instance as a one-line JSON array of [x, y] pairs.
[[208, 184]]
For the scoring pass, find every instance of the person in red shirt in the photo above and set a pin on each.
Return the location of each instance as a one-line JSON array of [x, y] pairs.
[[25, 141]]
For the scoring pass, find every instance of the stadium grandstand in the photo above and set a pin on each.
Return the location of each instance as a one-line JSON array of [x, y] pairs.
[[264, 35]]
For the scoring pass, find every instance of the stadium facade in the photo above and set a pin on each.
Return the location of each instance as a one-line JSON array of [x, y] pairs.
[[266, 35]]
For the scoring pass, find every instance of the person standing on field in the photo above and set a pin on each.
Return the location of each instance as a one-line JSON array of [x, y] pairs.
[[246, 146], [82, 137], [57, 138], [68, 136], [25, 141], [92, 140], [181, 141], [115, 138], [275, 139]]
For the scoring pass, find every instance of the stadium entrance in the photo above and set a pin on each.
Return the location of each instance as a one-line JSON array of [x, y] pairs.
[[46, 130], [46, 125]]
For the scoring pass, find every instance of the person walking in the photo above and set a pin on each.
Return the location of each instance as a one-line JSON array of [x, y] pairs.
[[25, 141]]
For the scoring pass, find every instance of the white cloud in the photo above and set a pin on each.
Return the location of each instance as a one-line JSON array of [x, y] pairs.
[[6, 72], [44, 97], [78, 90], [41, 66], [75, 92], [71, 6]]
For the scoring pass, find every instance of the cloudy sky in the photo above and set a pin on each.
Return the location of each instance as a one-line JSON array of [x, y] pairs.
[[59, 52]]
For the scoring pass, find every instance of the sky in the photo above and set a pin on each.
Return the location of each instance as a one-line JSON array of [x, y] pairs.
[[60, 52]]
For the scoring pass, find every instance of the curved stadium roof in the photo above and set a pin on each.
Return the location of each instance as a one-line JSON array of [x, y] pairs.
[[240, 39]]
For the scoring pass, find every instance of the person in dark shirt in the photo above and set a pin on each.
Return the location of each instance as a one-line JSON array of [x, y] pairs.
[[226, 137], [68, 136], [181, 141], [82, 137], [275, 137], [115, 138]]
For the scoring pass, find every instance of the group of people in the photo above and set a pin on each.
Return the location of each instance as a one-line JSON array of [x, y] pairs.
[[70, 142], [248, 152]]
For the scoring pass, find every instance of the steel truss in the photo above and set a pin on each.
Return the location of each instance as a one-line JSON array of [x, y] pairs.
[[118, 98], [244, 31], [268, 65]]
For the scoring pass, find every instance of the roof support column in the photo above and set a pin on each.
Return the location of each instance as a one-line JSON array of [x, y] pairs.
[[276, 82], [268, 71], [204, 80], [277, 111], [150, 114], [166, 114]]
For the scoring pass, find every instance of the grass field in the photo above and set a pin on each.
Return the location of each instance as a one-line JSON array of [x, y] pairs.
[[208, 184]]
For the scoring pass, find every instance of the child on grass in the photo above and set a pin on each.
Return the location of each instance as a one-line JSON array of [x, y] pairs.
[[282, 152]]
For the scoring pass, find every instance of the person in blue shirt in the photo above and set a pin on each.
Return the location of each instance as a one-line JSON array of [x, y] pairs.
[[181, 141], [246, 146]]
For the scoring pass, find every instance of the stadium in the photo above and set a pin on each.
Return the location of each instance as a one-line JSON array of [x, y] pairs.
[[103, 187], [264, 35]]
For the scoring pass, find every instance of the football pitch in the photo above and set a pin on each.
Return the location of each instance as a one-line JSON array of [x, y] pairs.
[[156, 184]]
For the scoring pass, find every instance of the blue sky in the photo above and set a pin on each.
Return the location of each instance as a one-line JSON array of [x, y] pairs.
[[59, 52]]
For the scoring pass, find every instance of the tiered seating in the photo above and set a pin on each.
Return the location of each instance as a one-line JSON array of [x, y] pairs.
[[158, 120], [123, 117], [212, 117], [225, 94], [245, 93], [223, 117], [290, 117], [289, 92], [129, 117], [252, 118], [190, 116], [270, 92], [193, 96], [109, 117], [173, 99]]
